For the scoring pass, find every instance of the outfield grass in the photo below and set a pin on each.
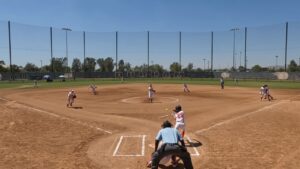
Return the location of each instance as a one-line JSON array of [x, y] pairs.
[[195, 81]]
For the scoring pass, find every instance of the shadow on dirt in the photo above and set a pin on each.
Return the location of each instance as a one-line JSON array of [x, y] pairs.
[[179, 166], [76, 107], [194, 143]]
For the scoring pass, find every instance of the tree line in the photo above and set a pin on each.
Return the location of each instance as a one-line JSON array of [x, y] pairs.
[[59, 64]]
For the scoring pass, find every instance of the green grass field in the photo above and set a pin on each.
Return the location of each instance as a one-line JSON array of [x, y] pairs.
[[110, 81]]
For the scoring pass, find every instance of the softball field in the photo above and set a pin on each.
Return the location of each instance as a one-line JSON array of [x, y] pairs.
[[115, 129]]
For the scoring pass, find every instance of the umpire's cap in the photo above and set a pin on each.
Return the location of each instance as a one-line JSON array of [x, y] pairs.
[[166, 124]]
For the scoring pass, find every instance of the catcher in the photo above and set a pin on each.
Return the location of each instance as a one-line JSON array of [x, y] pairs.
[[71, 98], [170, 138], [151, 92]]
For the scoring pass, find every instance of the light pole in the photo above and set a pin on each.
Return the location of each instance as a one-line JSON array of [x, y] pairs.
[[207, 64], [240, 59], [67, 29], [41, 65], [204, 64], [233, 55], [276, 66]]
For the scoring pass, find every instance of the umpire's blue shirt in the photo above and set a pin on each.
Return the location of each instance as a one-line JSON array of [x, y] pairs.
[[169, 135]]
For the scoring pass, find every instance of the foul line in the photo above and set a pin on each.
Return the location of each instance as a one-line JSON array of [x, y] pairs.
[[61, 117], [196, 151], [238, 117], [4, 99], [130, 155]]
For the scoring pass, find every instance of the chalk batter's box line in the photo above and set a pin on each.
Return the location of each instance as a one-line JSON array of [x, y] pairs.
[[130, 155], [196, 152]]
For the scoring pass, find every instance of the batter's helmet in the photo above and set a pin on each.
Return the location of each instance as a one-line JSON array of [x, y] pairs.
[[177, 108]]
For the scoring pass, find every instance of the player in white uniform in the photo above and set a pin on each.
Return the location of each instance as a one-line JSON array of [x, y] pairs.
[[35, 84], [179, 117], [261, 92], [222, 82], [151, 92], [185, 88], [93, 88], [71, 98], [266, 93]]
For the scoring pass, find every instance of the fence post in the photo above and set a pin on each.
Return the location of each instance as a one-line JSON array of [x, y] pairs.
[[148, 52], [51, 50], [286, 41], [83, 50], [116, 54], [245, 49], [179, 51], [212, 52], [10, 55]]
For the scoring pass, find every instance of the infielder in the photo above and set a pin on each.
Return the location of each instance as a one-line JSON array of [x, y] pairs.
[[71, 98], [178, 115], [35, 84], [222, 82], [93, 89], [185, 88], [266, 93], [262, 92], [151, 92]]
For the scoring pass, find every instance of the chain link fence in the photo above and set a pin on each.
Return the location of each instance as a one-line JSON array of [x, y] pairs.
[[26, 48]]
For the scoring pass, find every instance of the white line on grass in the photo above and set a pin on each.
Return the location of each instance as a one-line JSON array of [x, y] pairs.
[[61, 117]]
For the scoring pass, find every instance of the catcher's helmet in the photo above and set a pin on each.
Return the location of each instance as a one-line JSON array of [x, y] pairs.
[[177, 108]]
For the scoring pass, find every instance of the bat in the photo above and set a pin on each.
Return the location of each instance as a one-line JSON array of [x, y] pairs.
[[164, 116]]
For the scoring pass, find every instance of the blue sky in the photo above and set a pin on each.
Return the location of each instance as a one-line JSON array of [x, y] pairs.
[[154, 15], [163, 18]]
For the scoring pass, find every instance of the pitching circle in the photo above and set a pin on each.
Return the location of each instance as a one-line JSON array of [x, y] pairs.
[[145, 100]]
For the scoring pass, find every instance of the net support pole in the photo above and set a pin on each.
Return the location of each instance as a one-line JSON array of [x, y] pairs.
[[286, 43], [212, 52], [10, 55], [245, 52]]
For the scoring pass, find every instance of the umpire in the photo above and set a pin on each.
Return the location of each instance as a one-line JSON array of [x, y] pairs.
[[170, 138]]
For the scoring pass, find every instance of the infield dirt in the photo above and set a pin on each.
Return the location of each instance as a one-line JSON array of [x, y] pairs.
[[230, 128]]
